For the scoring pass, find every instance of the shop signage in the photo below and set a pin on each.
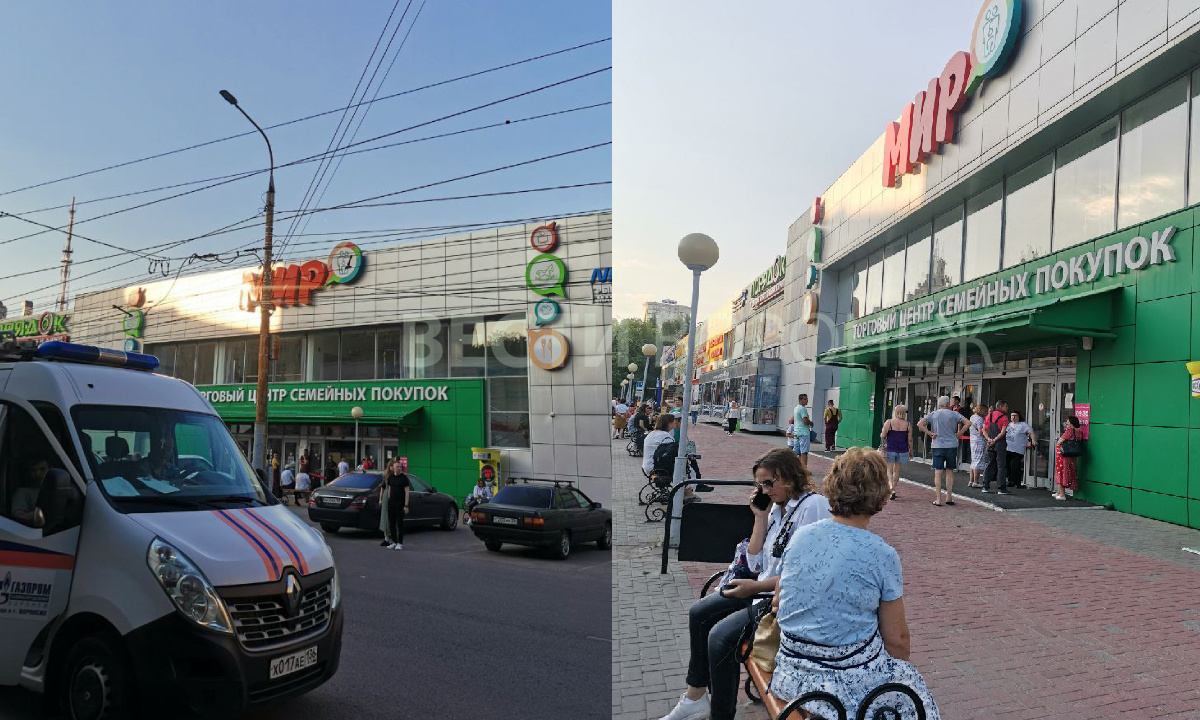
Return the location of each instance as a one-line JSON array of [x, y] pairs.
[[548, 349], [602, 286], [1194, 368], [817, 213], [546, 275], [545, 238], [716, 347], [772, 294], [808, 310], [301, 394], [294, 285], [771, 276], [815, 241], [927, 122], [545, 311], [1083, 413], [1118, 258], [134, 322], [668, 355], [739, 302], [44, 327]]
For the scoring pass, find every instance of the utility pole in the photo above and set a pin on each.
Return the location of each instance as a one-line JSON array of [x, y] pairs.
[[66, 262]]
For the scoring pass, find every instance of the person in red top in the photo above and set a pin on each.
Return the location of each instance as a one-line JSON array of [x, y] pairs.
[[994, 426]]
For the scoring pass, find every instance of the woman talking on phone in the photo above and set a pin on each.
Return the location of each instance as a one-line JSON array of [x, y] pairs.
[[783, 499]]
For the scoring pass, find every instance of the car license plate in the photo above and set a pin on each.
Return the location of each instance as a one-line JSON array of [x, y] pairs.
[[295, 662], [504, 521], [330, 501]]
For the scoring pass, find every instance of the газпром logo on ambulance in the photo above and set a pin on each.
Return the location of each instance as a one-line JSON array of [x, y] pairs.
[[928, 121]]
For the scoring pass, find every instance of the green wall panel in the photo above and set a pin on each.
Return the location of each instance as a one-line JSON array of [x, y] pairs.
[[1124, 306], [1160, 460], [1110, 454], [1194, 464], [1118, 351], [1102, 494], [1163, 330], [1160, 507], [1111, 393], [1161, 395], [1126, 279], [1194, 513], [1168, 279]]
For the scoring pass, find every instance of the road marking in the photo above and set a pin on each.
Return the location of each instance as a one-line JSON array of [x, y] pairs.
[[592, 637]]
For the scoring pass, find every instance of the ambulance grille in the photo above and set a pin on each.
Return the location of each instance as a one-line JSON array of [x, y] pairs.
[[262, 623]]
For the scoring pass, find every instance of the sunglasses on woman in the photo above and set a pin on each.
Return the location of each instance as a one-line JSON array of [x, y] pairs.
[[765, 484]]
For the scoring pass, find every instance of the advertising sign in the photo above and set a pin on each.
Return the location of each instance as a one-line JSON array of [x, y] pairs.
[[545, 311], [546, 275], [294, 285], [602, 286], [548, 349], [44, 327], [545, 238], [1083, 413]]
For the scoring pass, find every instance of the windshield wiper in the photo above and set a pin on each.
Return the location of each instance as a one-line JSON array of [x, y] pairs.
[[229, 498]]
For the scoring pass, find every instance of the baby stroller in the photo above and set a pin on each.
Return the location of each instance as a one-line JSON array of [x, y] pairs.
[[637, 441]]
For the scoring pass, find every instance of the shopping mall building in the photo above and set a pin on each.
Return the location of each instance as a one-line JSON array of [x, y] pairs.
[[1023, 230], [496, 339]]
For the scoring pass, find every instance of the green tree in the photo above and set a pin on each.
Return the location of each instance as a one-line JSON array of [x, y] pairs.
[[629, 335]]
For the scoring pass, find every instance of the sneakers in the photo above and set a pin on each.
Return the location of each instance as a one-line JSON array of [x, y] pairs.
[[1003, 492], [985, 490], [689, 709], [397, 546], [387, 544]]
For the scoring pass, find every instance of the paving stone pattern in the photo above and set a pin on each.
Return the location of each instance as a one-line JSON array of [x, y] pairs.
[[1022, 615]]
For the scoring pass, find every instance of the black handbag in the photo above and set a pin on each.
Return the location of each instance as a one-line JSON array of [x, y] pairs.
[[1071, 448]]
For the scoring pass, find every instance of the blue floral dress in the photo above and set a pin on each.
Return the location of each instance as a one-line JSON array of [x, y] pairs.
[[834, 578]]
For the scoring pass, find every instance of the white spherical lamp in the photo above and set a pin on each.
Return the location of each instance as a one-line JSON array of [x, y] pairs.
[[698, 251]]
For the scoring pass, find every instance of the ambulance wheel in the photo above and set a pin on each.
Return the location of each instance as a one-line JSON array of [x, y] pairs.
[[97, 681], [330, 527]]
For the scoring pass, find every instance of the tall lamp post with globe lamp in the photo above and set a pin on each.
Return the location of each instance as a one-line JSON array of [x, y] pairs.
[[632, 368], [649, 350], [356, 413], [698, 252]]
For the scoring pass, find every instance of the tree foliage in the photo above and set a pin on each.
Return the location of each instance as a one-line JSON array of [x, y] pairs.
[[629, 335]]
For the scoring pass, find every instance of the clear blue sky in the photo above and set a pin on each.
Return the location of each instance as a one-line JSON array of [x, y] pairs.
[[90, 84], [730, 121]]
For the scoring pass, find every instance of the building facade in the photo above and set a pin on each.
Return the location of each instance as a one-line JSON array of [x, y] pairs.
[[665, 311], [495, 339]]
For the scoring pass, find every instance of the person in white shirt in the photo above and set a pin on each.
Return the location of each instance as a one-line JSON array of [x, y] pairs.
[[732, 413], [660, 434], [716, 621], [287, 480], [303, 486], [343, 468]]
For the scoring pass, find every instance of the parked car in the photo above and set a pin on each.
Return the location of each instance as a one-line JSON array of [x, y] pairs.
[[555, 517], [352, 501]]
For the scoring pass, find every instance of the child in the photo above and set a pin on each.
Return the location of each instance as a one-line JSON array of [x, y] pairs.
[[791, 435]]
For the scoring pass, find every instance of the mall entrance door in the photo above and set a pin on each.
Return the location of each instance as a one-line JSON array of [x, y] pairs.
[[1051, 401]]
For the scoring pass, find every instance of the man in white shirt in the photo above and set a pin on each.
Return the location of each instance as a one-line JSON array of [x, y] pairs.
[[802, 429], [287, 479], [343, 468]]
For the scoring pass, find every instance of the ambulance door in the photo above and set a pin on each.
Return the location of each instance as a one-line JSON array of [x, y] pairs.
[[41, 505]]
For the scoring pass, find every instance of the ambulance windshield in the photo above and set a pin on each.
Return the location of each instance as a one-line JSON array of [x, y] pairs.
[[161, 460]]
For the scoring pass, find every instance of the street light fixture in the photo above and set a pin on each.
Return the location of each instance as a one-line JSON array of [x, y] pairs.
[[649, 350], [698, 252], [629, 379], [632, 368], [356, 413], [258, 456]]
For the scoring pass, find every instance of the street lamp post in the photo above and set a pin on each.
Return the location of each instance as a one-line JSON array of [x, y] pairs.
[[356, 413], [698, 252], [632, 368], [258, 456], [649, 350]]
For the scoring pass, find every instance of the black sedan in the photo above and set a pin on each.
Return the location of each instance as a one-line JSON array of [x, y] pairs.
[[539, 514], [353, 501]]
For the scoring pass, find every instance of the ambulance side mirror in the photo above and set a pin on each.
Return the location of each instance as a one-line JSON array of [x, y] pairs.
[[39, 518]]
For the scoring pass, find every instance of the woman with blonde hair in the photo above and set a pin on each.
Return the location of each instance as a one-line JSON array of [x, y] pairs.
[[897, 444], [978, 445], [841, 606]]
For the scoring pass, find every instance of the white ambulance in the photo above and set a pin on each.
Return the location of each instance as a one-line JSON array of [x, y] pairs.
[[144, 569]]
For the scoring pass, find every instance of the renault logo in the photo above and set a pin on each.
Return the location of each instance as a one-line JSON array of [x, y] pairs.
[[292, 595]]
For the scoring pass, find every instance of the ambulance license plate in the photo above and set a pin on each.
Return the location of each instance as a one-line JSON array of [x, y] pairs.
[[504, 521], [295, 662]]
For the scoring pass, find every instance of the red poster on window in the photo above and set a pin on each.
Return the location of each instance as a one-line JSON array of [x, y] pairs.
[[1083, 413]]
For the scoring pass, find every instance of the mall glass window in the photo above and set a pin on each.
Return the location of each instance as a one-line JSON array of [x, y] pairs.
[[1016, 360], [508, 412], [916, 263], [468, 347], [981, 254], [185, 363], [946, 268], [739, 340], [893, 274], [1153, 131], [755, 326], [426, 352], [234, 354], [507, 345], [389, 360], [875, 282], [860, 290], [289, 359], [1043, 357], [166, 358], [323, 356], [772, 325], [1085, 185], [358, 355], [1066, 356], [206, 363], [1028, 210], [1194, 152]]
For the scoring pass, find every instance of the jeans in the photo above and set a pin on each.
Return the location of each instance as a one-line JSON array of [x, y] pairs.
[[997, 468], [396, 522], [732, 424], [715, 624], [695, 414]]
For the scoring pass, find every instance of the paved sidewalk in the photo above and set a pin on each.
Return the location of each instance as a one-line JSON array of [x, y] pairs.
[[1034, 614]]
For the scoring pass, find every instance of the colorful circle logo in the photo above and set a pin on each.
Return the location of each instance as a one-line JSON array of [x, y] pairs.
[[546, 275], [545, 238], [345, 262], [545, 311], [992, 41]]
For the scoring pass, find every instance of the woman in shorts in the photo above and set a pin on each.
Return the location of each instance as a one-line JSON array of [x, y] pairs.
[[897, 444]]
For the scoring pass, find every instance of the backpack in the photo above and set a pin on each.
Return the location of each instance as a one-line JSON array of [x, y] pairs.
[[990, 425], [664, 456]]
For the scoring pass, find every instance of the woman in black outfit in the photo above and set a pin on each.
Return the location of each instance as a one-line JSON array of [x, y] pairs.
[[396, 488]]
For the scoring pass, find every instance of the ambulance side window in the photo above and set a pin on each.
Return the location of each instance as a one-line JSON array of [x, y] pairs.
[[35, 489]]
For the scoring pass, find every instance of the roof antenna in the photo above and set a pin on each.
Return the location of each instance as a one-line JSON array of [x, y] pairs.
[[66, 262]]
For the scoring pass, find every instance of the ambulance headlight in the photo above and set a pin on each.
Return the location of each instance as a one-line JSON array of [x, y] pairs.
[[187, 587], [335, 591]]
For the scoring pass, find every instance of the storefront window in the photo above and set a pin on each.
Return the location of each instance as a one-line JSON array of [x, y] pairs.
[[166, 358], [234, 352], [324, 356], [358, 355], [508, 412], [739, 341], [916, 263], [893, 274], [1028, 212], [860, 289], [389, 361], [206, 363], [1194, 164], [1066, 356], [875, 282], [947, 250], [981, 255], [427, 355], [1153, 133], [468, 347], [1016, 360], [507, 345], [1085, 184], [1043, 357], [289, 362], [772, 326], [185, 363], [754, 333]]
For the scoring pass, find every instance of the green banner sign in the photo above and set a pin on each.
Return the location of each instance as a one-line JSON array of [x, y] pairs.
[[332, 402], [47, 323]]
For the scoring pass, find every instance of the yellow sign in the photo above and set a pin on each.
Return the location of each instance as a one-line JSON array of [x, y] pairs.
[[1194, 369]]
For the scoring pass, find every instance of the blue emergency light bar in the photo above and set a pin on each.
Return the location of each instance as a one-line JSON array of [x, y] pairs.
[[73, 352]]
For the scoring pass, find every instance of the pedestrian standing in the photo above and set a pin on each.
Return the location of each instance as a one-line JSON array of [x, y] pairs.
[[343, 467], [394, 504], [732, 413], [1064, 467], [978, 445], [897, 444], [791, 436], [943, 426], [803, 429], [995, 455], [1019, 436], [833, 418], [275, 488], [303, 466]]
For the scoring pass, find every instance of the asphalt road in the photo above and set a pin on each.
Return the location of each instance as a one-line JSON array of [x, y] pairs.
[[446, 629]]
